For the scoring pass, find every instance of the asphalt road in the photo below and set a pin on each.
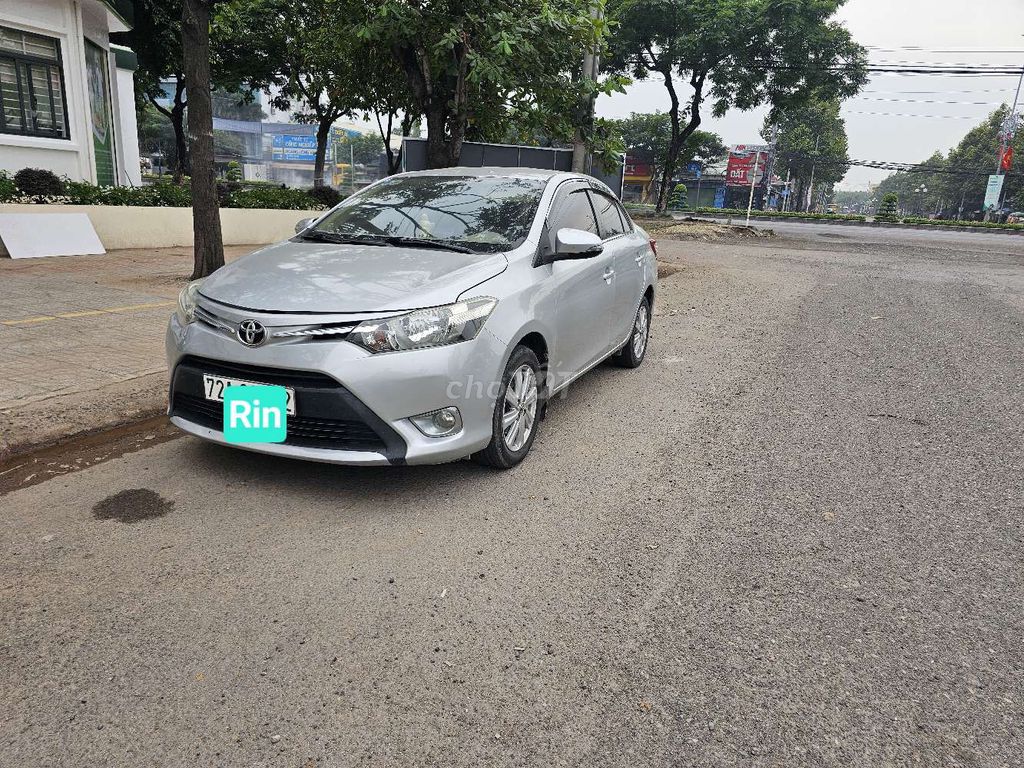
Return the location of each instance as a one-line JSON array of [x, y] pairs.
[[792, 538]]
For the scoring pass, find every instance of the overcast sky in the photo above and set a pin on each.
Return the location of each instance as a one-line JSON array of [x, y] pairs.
[[913, 131]]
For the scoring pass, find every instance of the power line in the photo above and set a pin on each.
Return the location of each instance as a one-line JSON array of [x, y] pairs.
[[929, 117], [919, 49], [944, 92], [894, 166], [932, 101]]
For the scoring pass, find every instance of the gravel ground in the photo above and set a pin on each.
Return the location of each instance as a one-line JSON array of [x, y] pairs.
[[792, 538]]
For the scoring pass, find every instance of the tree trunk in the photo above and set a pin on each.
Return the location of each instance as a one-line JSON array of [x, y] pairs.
[[195, 38], [176, 114], [679, 135], [323, 133], [437, 146], [182, 164]]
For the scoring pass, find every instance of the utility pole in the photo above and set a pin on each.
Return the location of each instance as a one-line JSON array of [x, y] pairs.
[[753, 181], [769, 165], [814, 165], [1009, 129], [591, 67]]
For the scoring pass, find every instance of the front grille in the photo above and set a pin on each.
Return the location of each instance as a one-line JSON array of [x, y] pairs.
[[337, 434], [327, 414]]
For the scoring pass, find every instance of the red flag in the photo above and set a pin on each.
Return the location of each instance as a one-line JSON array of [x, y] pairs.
[[1007, 162]]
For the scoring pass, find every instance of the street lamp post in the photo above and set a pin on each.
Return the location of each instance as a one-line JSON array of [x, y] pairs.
[[921, 190]]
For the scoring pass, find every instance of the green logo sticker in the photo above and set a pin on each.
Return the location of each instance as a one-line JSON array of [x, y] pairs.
[[255, 414]]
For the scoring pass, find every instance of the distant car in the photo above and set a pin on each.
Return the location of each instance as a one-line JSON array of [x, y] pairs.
[[427, 318], [1015, 218]]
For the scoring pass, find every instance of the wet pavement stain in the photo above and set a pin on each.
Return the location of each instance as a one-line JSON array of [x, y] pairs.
[[132, 506]]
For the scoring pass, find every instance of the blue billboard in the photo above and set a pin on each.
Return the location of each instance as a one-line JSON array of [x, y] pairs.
[[294, 149]]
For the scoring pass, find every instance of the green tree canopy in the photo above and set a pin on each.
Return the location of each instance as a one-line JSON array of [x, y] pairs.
[[811, 141], [956, 183], [472, 68], [735, 54], [646, 136], [155, 37]]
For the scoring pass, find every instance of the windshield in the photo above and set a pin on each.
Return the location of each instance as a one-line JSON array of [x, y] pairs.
[[481, 214]]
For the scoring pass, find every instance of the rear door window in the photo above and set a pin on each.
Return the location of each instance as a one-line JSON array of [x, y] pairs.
[[608, 219]]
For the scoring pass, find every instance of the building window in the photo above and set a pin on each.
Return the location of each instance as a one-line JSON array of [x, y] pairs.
[[31, 85]]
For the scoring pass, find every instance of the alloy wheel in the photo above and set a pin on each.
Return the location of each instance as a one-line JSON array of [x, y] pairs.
[[520, 408], [640, 331]]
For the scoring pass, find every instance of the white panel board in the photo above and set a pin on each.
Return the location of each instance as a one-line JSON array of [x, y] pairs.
[[30, 235]]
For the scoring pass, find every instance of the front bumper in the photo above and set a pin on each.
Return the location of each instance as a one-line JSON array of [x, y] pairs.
[[376, 391]]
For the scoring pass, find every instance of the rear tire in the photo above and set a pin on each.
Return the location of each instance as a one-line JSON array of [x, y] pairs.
[[517, 412], [631, 355]]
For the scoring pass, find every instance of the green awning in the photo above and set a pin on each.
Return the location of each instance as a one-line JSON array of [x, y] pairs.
[[123, 9]]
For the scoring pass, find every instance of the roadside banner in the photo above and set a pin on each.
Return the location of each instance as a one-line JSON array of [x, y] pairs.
[[994, 190], [1006, 163], [740, 171]]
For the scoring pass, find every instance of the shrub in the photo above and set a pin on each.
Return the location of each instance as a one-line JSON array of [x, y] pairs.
[[887, 208], [328, 197], [972, 224], [163, 195], [273, 197], [781, 214], [31, 185], [225, 189], [234, 172], [8, 189], [38, 182]]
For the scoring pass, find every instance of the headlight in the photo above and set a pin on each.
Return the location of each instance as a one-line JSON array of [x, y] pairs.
[[432, 327], [186, 311]]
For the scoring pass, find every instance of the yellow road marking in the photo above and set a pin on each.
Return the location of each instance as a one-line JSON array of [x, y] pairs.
[[88, 313]]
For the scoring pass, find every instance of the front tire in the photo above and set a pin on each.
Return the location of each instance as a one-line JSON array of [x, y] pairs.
[[631, 355], [517, 412]]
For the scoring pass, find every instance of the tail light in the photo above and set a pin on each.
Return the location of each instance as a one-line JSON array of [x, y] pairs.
[[654, 246]]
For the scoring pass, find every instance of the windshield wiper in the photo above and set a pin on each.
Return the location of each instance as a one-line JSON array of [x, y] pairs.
[[428, 242], [321, 236]]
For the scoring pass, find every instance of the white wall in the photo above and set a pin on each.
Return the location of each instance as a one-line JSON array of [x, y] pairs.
[[140, 227], [59, 19], [128, 157], [71, 21]]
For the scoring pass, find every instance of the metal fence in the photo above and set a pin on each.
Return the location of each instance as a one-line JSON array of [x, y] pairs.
[[477, 155]]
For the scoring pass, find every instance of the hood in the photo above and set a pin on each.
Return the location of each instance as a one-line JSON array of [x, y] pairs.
[[329, 278]]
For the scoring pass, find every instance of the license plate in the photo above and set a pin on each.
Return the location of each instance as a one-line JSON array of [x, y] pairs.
[[214, 386]]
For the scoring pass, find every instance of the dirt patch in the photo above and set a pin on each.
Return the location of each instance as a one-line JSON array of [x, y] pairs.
[[701, 230], [132, 506], [82, 452], [665, 269]]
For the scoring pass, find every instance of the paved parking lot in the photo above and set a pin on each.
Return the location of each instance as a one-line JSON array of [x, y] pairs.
[[74, 324], [793, 537]]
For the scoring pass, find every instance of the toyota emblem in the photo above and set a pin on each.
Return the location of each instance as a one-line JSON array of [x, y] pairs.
[[251, 333]]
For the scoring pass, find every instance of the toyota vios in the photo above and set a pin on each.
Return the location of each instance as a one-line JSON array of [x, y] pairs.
[[425, 319]]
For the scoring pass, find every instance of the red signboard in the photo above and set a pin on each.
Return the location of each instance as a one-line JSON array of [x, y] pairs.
[[637, 170], [1006, 163], [741, 165]]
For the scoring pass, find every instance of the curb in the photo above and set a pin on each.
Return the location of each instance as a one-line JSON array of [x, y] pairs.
[[43, 424], [870, 224]]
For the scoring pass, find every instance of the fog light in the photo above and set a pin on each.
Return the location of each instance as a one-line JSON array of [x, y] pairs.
[[442, 423]]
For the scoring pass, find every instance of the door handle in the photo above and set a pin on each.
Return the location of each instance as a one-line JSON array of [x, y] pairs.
[[608, 275], [639, 259]]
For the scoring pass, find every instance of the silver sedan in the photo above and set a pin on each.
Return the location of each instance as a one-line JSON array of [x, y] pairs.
[[427, 318]]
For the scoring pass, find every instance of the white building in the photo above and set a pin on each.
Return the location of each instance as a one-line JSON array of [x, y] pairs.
[[66, 96]]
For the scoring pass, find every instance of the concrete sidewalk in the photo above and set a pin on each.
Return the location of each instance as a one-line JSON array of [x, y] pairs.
[[82, 341]]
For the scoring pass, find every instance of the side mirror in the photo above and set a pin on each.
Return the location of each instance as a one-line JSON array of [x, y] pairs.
[[576, 244], [303, 224]]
